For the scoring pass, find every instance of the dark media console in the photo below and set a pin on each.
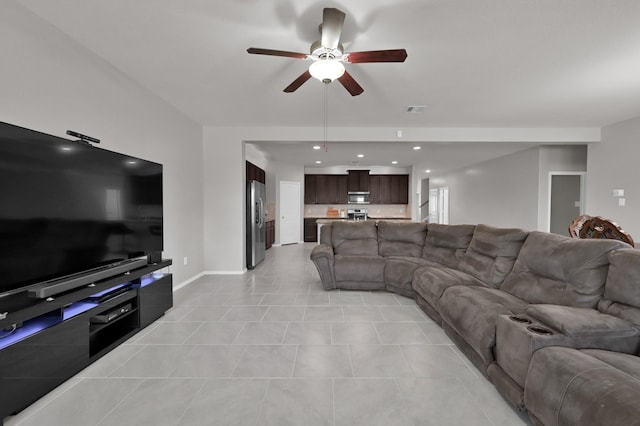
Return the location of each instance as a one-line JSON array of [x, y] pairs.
[[44, 342]]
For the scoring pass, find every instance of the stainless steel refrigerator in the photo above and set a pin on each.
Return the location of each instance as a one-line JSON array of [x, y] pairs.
[[256, 197]]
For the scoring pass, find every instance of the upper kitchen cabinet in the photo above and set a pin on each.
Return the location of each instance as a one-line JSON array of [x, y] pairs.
[[399, 189], [310, 189], [358, 181], [389, 189], [255, 173], [374, 189], [343, 185], [325, 189]]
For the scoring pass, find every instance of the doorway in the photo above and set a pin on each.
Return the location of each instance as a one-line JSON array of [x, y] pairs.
[[290, 212], [566, 200], [439, 205], [423, 210]]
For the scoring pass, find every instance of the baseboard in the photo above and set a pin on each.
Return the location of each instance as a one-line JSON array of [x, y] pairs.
[[187, 282], [202, 274]]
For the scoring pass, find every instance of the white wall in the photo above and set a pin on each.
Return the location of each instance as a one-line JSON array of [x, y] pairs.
[[613, 164], [502, 192], [224, 200], [51, 84]]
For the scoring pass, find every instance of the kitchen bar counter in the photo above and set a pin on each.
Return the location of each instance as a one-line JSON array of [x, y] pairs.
[[321, 221], [325, 220]]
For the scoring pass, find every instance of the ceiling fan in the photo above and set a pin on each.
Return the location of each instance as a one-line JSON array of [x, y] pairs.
[[328, 55]]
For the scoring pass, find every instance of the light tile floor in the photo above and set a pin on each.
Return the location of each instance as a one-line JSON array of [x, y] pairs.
[[271, 347]]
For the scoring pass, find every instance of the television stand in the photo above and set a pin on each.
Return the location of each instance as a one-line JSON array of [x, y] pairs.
[[54, 340]]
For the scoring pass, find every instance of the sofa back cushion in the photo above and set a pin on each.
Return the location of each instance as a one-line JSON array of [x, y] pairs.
[[355, 238], [559, 270], [446, 244], [492, 253], [401, 238], [622, 287]]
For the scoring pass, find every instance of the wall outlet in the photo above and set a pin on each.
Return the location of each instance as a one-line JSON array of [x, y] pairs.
[[621, 202], [618, 192], [185, 260]]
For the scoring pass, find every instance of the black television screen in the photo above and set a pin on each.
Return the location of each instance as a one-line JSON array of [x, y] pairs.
[[67, 207]]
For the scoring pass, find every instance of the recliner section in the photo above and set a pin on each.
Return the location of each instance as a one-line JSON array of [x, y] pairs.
[[520, 305]]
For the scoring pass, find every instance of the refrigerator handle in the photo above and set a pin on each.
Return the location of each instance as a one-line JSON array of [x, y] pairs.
[[260, 213]]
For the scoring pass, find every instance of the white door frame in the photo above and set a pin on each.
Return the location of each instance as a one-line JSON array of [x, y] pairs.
[[583, 191]]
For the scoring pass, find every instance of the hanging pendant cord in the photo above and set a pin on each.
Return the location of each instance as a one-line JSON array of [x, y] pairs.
[[326, 109]]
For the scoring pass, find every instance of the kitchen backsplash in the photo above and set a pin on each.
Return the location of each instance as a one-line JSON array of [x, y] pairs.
[[373, 210]]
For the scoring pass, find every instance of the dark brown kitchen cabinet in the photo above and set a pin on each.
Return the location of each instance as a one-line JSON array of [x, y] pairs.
[[310, 189], [310, 231], [325, 189], [389, 189], [399, 189], [374, 189], [358, 180], [342, 189], [270, 234], [255, 173]]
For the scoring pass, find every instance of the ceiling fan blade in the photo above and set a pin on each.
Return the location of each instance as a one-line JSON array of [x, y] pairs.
[[271, 52], [350, 84], [395, 55], [298, 82], [332, 21]]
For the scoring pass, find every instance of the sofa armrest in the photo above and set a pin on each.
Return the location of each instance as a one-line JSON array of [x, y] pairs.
[[322, 257], [581, 322]]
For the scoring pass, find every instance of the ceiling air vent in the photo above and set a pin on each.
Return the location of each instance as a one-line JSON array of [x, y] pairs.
[[415, 109]]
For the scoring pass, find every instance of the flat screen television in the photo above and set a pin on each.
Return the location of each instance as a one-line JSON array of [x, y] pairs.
[[67, 207]]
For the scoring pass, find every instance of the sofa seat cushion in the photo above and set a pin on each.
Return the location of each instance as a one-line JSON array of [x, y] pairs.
[[446, 244], [359, 268], [472, 312], [581, 322], [558, 270], [401, 239], [398, 271], [355, 238], [431, 282], [630, 364], [570, 387], [492, 253]]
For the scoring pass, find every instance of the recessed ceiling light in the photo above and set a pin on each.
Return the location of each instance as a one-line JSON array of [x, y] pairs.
[[416, 148], [318, 162], [394, 162], [132, 162], [316, 147], [66, 148], [360, 155], [428, 171]]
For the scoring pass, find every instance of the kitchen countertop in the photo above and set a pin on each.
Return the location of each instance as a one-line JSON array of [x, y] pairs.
[[325, 220]]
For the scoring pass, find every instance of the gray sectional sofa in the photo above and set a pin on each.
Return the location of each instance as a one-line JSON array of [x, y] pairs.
[[553, 322]]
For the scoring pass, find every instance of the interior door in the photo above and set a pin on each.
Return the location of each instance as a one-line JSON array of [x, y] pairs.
[[566, 201], [290, 212]]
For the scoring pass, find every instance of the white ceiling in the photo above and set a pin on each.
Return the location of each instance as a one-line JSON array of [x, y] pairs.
[[489, 63]]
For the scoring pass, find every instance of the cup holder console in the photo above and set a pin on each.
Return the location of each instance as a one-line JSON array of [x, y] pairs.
[[540, 330], [519, 319]]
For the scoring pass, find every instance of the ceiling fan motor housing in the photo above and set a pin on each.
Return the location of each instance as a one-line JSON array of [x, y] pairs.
[[318, 51]]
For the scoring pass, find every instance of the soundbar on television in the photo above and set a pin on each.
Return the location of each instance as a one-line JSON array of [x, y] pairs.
[[51, 288]]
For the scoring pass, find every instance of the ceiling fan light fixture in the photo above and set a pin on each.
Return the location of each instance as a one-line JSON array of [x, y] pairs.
[[326, 70]]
